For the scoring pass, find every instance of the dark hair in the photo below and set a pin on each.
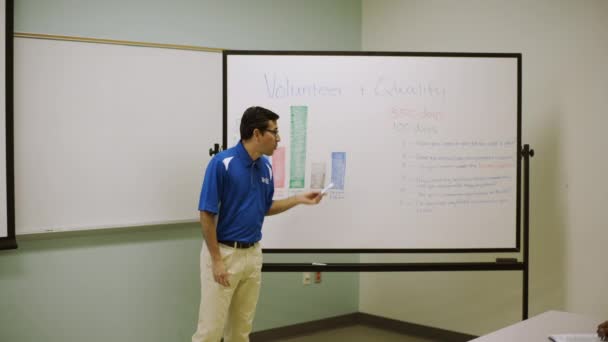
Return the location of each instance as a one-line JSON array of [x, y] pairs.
[[256, 117]]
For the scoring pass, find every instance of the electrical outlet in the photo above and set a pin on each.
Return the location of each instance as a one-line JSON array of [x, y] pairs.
[[306, 278]]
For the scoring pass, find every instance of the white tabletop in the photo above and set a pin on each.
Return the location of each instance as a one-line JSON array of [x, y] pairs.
[[538, 328]]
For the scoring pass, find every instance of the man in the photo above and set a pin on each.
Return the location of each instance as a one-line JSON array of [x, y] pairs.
[[236, 195]]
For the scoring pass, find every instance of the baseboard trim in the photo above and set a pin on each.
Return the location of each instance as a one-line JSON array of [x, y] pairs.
[[306, 328], [359, 318], [412, 329]]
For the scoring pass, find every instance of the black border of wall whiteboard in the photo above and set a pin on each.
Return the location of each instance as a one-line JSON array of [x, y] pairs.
[[517, 56], [9, 241]]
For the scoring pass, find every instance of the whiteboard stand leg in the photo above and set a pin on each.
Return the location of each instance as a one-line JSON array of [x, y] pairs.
[[526, 153]]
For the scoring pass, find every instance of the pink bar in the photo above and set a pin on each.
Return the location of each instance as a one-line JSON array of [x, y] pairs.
[[278, 167]]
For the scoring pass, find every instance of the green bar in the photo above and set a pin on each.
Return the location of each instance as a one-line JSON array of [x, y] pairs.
[[299, 115]]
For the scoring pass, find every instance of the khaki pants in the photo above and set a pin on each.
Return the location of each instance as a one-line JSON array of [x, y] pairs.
[[229, 311]]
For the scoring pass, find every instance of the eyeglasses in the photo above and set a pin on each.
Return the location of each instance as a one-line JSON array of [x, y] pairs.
[[274, 132]]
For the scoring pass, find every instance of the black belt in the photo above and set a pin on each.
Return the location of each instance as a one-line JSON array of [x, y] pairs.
[[237, 244]]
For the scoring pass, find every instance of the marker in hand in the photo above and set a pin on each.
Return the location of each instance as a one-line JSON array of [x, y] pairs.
[[329, 186]]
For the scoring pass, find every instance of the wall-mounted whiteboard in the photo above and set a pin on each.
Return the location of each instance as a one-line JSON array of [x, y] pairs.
[[111, 135], [423, 148]]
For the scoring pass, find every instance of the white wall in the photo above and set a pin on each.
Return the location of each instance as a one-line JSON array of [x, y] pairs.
[[565, 95]]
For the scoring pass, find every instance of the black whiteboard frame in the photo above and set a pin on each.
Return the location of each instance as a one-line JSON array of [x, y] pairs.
[[9, 241], [517, 56]]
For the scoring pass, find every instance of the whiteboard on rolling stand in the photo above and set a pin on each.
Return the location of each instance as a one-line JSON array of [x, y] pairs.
[[423, 149]]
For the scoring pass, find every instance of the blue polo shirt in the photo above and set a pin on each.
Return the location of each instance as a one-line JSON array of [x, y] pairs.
[[239, 190]]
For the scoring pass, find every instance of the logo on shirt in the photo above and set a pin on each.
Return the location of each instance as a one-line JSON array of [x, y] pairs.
[[266, 180]]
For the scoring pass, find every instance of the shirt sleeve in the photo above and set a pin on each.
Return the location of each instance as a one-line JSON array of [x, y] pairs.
[[212, 187]]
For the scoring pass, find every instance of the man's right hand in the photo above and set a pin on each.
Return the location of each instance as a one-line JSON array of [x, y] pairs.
[[220, 274]]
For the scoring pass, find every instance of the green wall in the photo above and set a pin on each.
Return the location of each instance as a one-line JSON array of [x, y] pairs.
[[142, 284], [234, 24], [115, 286]]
